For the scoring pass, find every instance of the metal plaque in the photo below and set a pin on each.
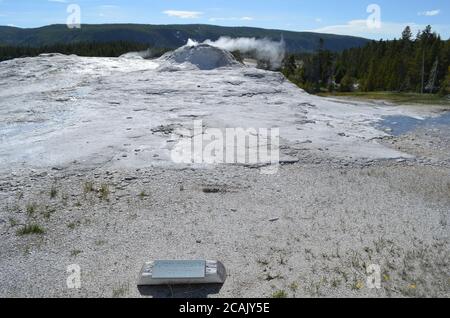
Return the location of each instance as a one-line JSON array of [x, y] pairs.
[[179, 269]]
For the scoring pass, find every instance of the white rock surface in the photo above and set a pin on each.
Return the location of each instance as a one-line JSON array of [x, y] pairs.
[[57, 109]]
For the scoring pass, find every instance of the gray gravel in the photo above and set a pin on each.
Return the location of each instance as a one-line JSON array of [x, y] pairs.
[[310, 230]]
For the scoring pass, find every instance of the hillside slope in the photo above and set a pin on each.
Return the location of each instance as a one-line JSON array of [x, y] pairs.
[[168, 36]]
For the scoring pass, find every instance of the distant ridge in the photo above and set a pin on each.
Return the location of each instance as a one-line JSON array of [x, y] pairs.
[[168, 36]]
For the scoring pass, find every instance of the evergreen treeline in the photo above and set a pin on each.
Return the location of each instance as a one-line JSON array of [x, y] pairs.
[[410, 64], [111, 49]]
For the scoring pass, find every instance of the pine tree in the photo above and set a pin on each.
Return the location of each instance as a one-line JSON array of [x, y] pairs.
[[407, 34]]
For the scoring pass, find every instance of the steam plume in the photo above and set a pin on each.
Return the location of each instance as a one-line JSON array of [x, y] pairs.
[[263, 49]]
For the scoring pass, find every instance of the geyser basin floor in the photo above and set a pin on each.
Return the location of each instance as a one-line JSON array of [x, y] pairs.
[[329, 221], [60, 110], [309, 230]]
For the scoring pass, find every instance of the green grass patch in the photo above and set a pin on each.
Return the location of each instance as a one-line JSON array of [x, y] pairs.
[[13, 222], [31, 208], [121, 291], [397, 98], [279, 294], [88, 187], [53, 192], [31, 229], [75, 253], [104, 192], [143, 195], [72, 225]]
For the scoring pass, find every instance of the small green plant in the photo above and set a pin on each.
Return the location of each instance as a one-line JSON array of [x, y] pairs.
[[335, 283], [47, 213], [100, 242], [142, 195], [31, 208], [53, 192], [104, 192], [75, 253], [30, 230], [279, 294], [88, 187], [121, 291], [13, 222], [73, 225], [294, 286]]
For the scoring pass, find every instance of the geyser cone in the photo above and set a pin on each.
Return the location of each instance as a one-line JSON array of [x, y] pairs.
[[202, 56]]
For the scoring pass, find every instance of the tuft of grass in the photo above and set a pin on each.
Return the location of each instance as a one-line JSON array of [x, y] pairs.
[[31, 229], [294, 286], [31, 208], [279, 294], [53, 192], [75, 253], [100, 242], [121, 291], [48, 212], [143, 195], [13, 222], [335, 283], [73, 225], [88, 187], [104, 191]]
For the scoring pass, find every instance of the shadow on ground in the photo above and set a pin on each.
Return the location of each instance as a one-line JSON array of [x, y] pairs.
[[180, 291]]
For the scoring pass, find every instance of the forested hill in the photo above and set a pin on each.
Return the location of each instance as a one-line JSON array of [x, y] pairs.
[[168, 36]]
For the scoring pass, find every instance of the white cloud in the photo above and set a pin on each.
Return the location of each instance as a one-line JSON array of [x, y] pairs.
[[430, 13], [183, 14]]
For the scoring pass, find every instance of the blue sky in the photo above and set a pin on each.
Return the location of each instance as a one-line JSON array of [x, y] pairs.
[[341, 17]]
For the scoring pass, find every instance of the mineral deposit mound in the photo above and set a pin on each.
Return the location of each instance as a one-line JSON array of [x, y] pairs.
[[202, 56]]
